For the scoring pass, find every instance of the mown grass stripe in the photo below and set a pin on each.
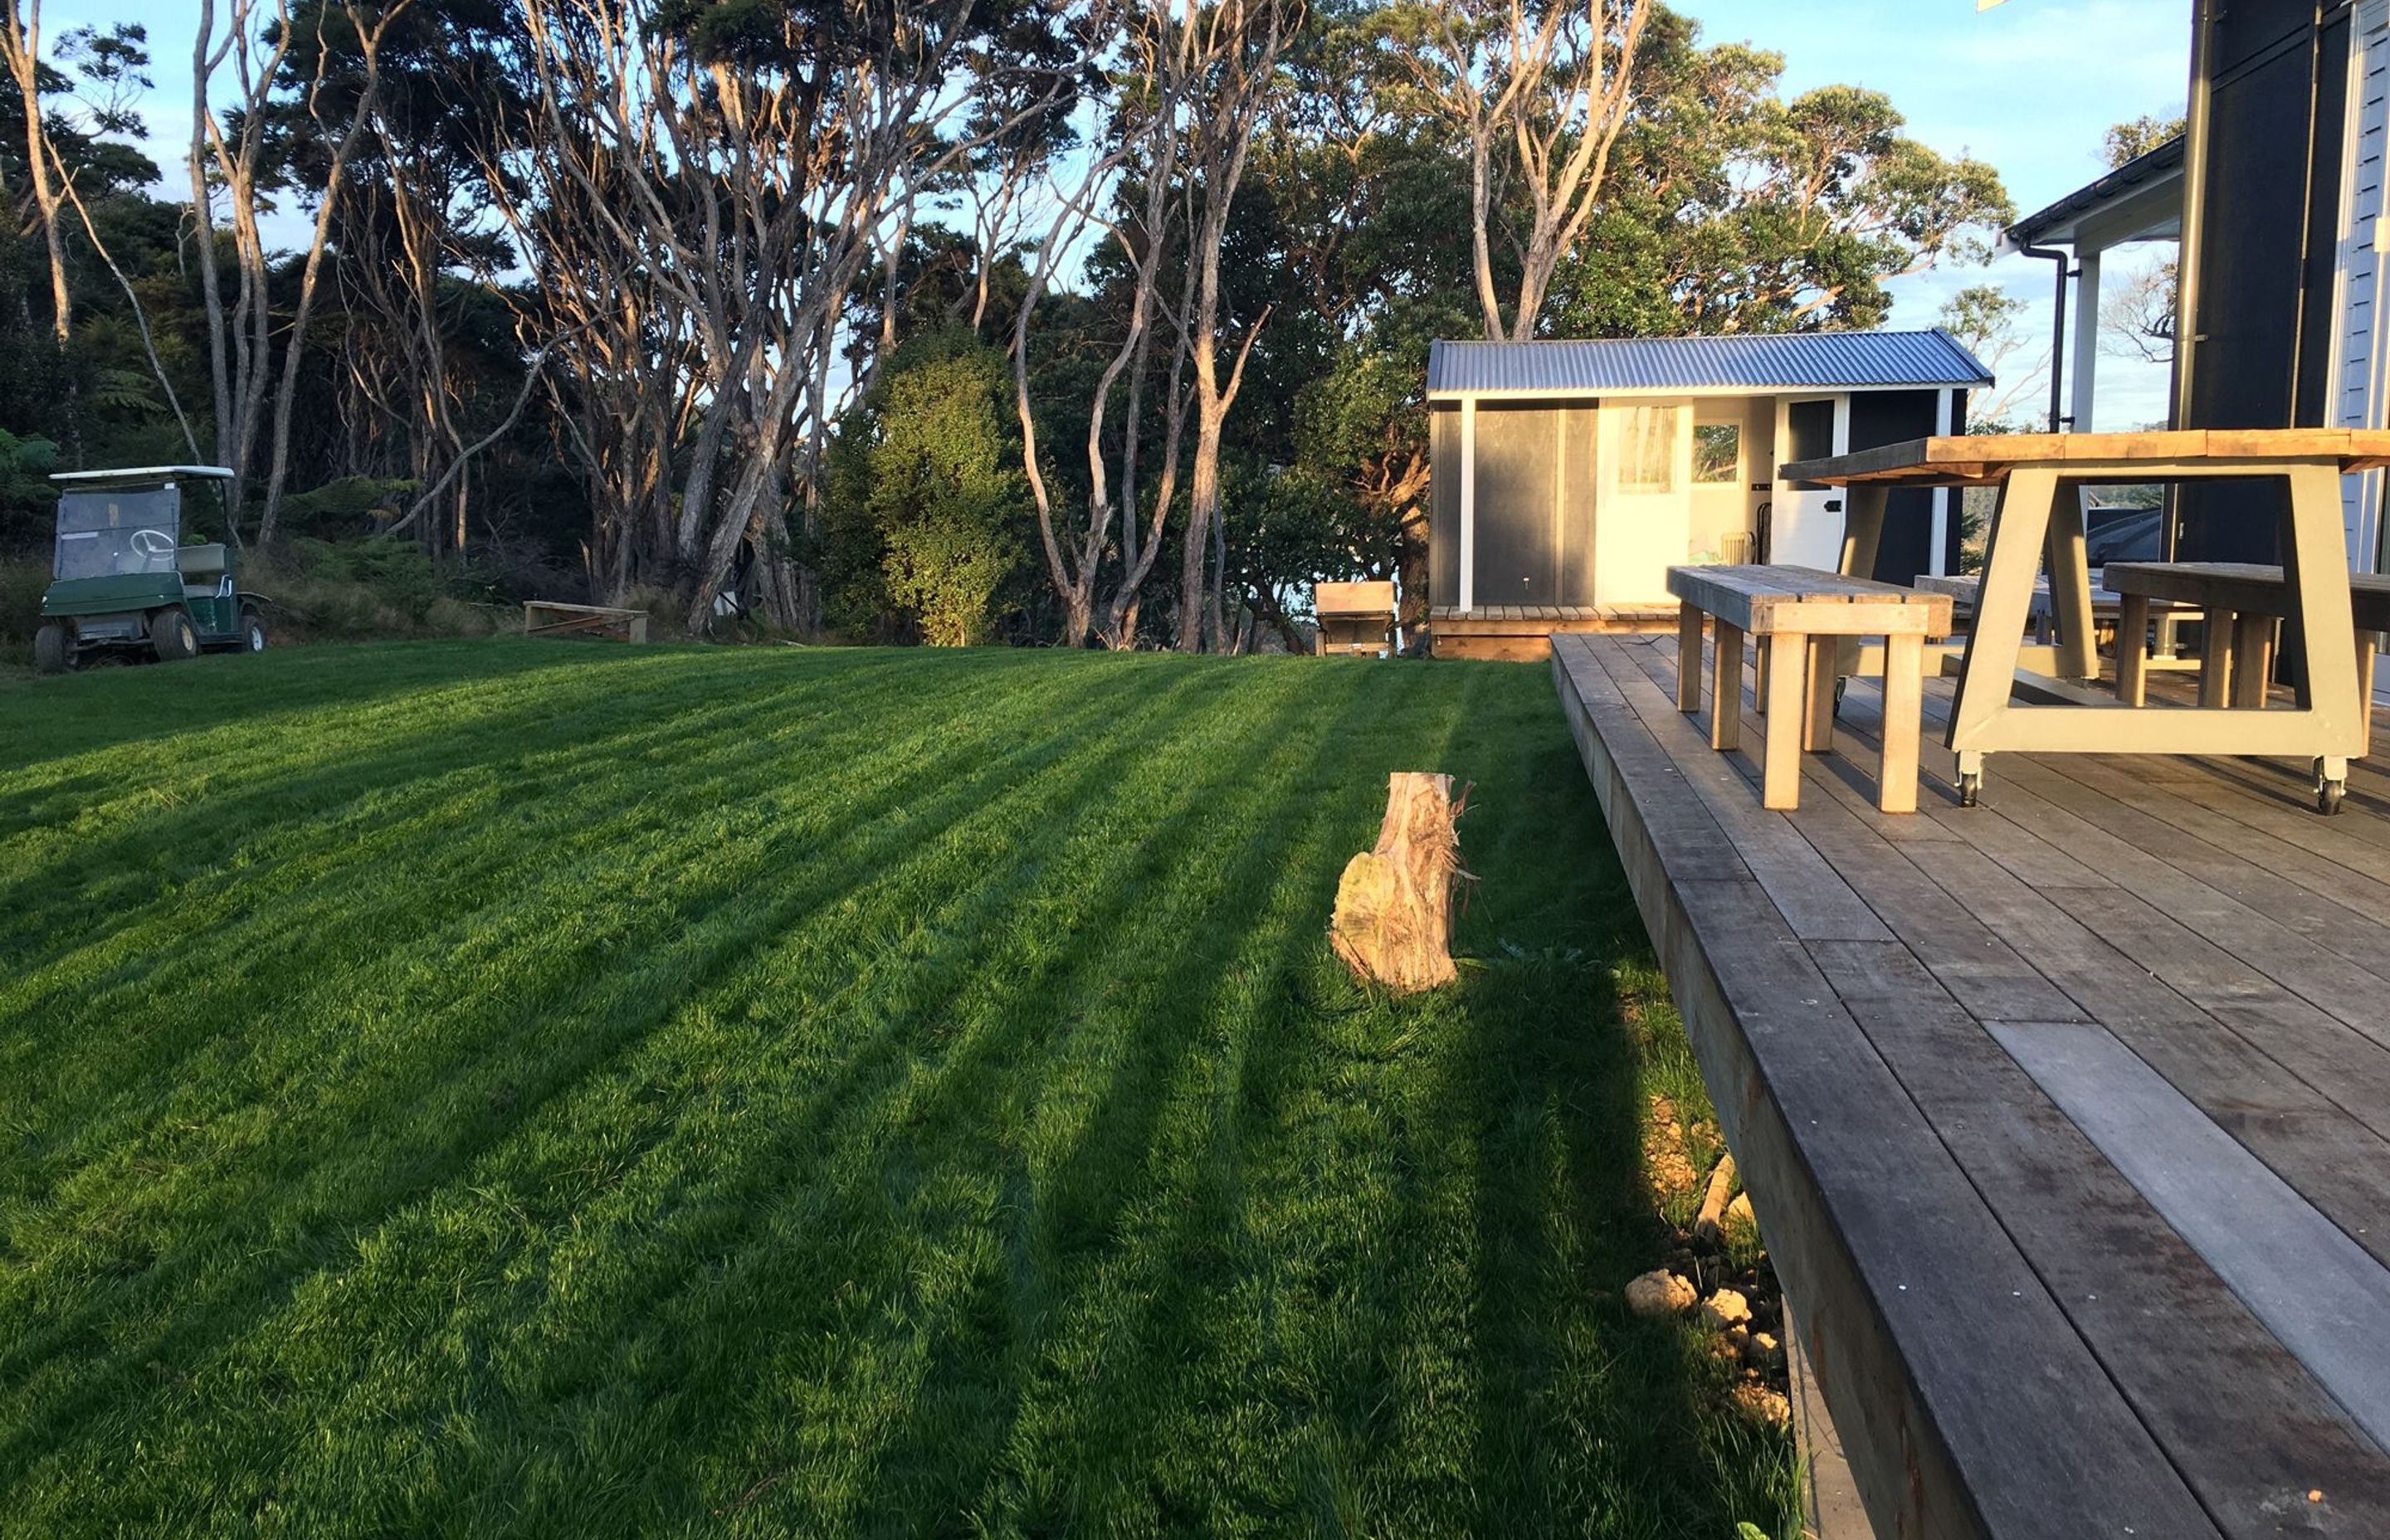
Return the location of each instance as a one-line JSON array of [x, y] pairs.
[[553, 1091]]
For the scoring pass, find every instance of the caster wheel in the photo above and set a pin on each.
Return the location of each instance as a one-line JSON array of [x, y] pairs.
[[2329, 795], [1841, 684], [1970, 789]]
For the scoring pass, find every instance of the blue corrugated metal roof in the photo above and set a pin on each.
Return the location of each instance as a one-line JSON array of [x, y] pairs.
[[1778, 361]]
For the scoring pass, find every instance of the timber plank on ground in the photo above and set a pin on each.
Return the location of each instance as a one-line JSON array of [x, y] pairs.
[[2124, 1007]]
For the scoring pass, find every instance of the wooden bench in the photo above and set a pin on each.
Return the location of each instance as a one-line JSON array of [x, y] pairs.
[[546, 617], [2245, 603], [1353, 617], [1789, 609]]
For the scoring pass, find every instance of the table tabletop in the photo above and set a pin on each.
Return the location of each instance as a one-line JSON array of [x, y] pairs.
[[1988, 459]]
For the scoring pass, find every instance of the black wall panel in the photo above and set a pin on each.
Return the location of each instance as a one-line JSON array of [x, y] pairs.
[[2261, 337], [1879, 418]]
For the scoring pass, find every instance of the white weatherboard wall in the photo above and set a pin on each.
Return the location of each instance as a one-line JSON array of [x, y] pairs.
[[2359, 356], [1721, 509], [2360, 350], [1638, 535]]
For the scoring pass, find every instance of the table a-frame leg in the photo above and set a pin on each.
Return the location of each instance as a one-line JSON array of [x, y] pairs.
[[2013, 555], [2069, 585], [1863, 506], [2327, 723], [2321, 609]]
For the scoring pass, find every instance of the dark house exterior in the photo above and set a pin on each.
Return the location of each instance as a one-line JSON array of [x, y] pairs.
[[2281, 283]]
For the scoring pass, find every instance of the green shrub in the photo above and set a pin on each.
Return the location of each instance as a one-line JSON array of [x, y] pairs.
[[21, 599], [320, 590], [352, 505], [667, 611], [927, 472]]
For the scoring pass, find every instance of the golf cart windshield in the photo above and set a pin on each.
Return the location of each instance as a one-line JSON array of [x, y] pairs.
[[102, 533]]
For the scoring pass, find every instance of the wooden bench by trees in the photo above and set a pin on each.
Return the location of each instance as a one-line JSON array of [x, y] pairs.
[[2245, 602], [1353, 617], [1800, 615], [542, 617]]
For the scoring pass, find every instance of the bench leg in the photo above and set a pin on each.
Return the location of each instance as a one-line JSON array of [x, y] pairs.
[[1689, 658], [1825, 663], [1763, 664], [2166, 646], [2215, 658], [2253, 660], [1726, 690], [2133, 650], [1787, 674], [1904, 710]]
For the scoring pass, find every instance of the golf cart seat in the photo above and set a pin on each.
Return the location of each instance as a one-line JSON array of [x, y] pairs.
[[204, 568]]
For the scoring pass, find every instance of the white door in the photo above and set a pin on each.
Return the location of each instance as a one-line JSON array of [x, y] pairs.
[[2359, 355], [1805, 526], [1642, 512]]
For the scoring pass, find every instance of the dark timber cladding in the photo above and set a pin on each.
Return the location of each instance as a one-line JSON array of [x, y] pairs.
[[2068, 1117], [2258, 349], [1893, 416]]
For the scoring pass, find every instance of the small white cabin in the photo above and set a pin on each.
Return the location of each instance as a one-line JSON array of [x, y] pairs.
[[1569, 476]]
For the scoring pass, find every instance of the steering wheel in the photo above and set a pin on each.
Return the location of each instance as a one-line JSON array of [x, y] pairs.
[[152, 542]]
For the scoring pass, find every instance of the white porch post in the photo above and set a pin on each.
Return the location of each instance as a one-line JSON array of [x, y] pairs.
[[1939, 561], [1467, 503], [2086, 335]]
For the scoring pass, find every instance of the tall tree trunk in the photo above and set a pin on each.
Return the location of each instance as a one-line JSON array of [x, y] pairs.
[[278, 466]]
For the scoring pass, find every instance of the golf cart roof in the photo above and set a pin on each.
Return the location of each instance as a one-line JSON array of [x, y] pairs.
[[140, 474]]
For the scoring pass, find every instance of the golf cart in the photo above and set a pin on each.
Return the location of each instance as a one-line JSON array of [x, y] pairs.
[[124, 581]]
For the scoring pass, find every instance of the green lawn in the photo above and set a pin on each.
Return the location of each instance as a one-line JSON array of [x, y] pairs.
[[507, 1088]]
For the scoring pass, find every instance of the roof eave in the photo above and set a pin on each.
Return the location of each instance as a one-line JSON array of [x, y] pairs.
[[1538, 392], [144, 473], [2056, 220]]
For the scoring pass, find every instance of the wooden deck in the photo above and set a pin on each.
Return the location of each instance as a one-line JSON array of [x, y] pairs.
[[2066, 1117], [1523, 633]]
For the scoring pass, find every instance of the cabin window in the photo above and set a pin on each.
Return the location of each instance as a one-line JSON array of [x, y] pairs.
[[1718, 451], [1648, 444]]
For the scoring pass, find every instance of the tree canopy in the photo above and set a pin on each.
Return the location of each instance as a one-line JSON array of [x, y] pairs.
[[736, 299]]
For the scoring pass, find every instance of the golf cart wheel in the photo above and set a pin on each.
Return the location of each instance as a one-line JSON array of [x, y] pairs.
[[252, 631], [53, 648], [173, 636]]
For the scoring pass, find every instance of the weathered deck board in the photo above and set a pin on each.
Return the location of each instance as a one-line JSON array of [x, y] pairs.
[[2180, 916], [2306, 1278]]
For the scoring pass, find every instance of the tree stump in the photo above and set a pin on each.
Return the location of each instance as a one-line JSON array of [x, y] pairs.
[[1394, 905]]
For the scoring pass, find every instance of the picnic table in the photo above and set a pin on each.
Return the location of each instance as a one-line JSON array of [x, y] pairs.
[[2040, 513]]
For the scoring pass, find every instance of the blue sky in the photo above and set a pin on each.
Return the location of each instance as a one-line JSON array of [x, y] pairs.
[[2029, 86]]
